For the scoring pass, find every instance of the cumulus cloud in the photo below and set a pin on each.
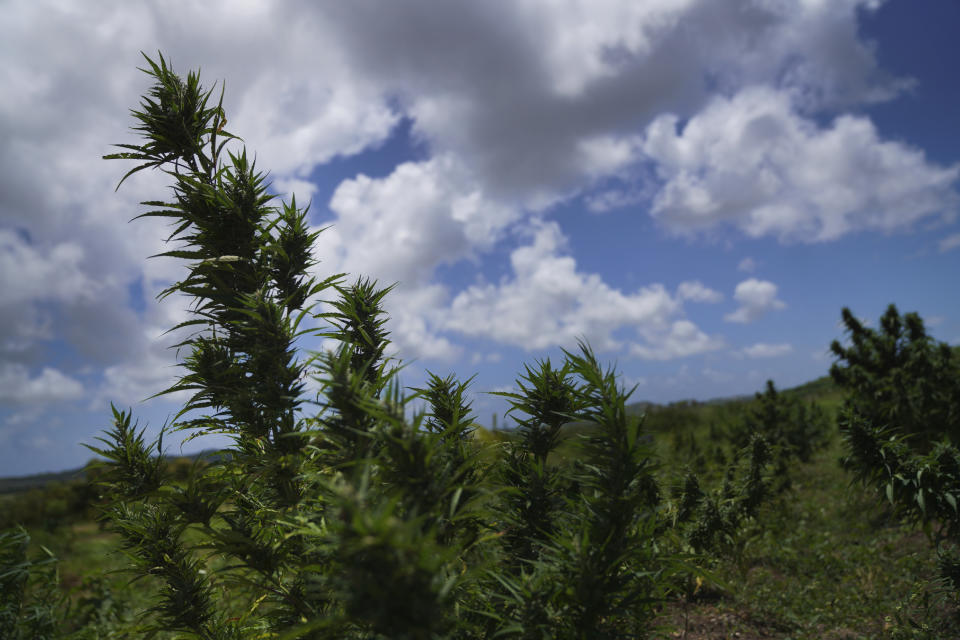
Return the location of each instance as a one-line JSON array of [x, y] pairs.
[[537, 96], [753, 162], [682, 339], [611, 199], [764, 350], [67, 256], [26, 271], [53, 291], [747, 265], [528, 104], [415, 314], [756, 298], [549, 302], [696, 291], [18, 387], [401, 227]]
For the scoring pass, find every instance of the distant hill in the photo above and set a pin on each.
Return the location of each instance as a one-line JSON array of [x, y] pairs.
[[38, 481], [823, 389], [15, 484]]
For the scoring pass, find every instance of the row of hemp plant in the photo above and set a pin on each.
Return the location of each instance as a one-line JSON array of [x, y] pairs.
[[794, 430], [350, 515]]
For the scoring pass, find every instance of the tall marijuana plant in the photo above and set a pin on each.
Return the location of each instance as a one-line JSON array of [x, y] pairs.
[[901, 424], [350, 515], [897, 376], [347, 514]]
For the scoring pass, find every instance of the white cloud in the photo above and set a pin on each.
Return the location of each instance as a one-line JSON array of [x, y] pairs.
[[696, 291], [401, 227], [67, 256], [751, 161], [60, 291], [134, 379], [288, 188], [950, 242], [764, 350], [548, 302], [524, 90], [606, 155], [612, 199], [756, 298], [682, 340], [27, 273], [529, 103], [747, 265], [414, 316], [17, 387]]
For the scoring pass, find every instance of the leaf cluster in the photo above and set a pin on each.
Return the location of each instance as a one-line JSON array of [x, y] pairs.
[[897, 376], [30, 603]]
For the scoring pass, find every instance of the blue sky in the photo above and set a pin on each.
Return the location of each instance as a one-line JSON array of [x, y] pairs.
[[696, 187]]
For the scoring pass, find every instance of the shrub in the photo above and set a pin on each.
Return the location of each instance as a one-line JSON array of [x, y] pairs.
[[900, 423], [358, 520], [30, 605], [796, 430], [351, 516], [897, 376]]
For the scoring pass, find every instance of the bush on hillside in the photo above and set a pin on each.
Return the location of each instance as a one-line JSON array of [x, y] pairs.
[[898, 377], [900, 425]]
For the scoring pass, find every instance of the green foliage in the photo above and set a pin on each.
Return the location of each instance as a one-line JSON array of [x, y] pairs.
[[30, 605], [897, 376], [50, 507], [715, 519], [900, 425], [792, 428], [359, 520], [353, 516], [923, 487], [796, 429]]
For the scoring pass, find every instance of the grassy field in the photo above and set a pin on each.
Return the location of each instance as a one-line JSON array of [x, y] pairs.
[[825, 559]]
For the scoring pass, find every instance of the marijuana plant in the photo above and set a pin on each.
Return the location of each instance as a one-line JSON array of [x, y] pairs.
[[793, 430], [897, 376], [31, 608], [901, 424], [352, 515]]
